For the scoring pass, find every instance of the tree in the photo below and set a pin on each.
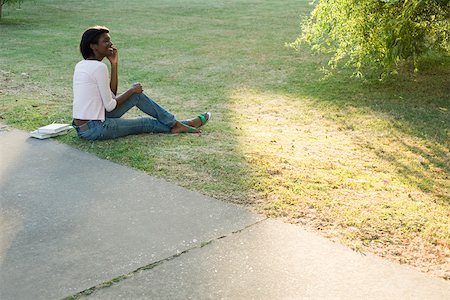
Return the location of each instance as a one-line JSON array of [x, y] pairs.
[[3, 2], [373, 35]]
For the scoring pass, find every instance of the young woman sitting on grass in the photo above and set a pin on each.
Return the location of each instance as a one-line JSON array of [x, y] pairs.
[[97, 109]]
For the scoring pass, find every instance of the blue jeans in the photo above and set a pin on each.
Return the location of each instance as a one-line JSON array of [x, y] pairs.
[[114, 126]]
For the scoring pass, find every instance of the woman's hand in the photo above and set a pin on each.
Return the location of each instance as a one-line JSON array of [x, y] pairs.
[[137, 88], [113, 57]]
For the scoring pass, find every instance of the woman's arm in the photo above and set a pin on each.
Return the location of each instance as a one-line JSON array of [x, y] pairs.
[[114, 60], [100, 75], [135, 89]]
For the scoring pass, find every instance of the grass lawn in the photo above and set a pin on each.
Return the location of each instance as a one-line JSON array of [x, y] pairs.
[[366, 163]]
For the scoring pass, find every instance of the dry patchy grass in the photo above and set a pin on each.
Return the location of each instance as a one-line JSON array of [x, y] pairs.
[[375, 190]]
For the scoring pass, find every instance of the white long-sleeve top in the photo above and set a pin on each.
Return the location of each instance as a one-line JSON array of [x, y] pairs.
[[91, 91]]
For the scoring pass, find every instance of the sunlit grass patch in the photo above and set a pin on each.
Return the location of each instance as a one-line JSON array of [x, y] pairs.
[[366, 185]]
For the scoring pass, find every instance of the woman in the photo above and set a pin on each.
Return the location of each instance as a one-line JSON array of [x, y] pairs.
[[97, 109]]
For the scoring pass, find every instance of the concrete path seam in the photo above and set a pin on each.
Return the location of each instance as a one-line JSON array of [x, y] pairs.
[[121, 278]]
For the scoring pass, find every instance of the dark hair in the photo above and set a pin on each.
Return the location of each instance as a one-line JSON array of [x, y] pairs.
[[91, 36]]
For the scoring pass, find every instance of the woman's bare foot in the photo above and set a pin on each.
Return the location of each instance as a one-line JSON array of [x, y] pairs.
[[197, 122], [180, 128]]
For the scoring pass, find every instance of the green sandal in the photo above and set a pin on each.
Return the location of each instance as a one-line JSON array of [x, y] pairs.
[[192, 130], [204, 119]]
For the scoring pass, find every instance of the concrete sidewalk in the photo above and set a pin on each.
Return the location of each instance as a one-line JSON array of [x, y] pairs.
[[70, 221]]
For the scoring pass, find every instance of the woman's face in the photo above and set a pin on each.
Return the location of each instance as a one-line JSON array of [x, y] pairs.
[[104, 46]]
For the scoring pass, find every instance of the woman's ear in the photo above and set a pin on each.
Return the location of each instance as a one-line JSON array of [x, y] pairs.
[[93, 46]]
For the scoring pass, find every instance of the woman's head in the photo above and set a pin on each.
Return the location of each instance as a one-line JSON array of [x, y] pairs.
[[92, 38]]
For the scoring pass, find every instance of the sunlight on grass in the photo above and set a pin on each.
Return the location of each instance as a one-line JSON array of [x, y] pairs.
[[331, 177]]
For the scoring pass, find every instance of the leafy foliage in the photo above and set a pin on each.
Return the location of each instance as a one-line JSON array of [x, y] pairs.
[[377, 34]]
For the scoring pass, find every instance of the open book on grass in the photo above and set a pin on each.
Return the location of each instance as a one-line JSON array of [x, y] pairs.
[[50, 130]]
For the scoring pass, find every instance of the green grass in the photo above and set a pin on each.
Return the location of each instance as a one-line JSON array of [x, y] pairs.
[[363, 162]]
